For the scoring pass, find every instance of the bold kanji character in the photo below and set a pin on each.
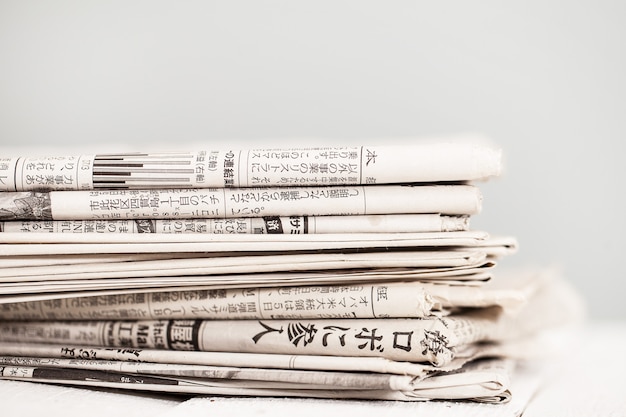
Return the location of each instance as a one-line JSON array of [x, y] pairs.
[[372, 339], [402, 340], [268, 329], [342, 337], [298, 331], [434, 342]]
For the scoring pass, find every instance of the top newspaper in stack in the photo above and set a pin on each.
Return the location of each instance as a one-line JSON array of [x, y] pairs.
[[441, 161], [248, 183]]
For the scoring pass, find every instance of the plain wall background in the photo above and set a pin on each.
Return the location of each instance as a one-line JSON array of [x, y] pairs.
[[546, 80]]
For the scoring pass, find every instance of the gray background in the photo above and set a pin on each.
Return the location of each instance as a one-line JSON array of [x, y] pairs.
[[543, 79]]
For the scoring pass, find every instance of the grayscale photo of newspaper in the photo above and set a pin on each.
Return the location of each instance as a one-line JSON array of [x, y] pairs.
[[226, 203], [224, 168], [328, 272], [383, 223]]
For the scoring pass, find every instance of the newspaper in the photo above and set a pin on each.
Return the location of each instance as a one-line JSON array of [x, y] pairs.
[[94, 256], [428, 382], [294, 378], [21, 244], [348, 300], [483, 381], [228, 359], [529, 348], [252, 263], [27, 291], [416, 340], [432, 340], [383, 223], [307, 272], [223, 203], [221, 168]]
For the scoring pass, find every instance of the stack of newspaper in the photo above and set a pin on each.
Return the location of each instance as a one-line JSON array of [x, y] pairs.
[[331, 272]]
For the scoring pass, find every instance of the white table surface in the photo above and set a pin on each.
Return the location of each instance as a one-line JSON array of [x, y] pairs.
[[590, 385]]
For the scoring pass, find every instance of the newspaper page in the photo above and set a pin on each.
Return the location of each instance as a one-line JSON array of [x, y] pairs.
[[466, 272], [430, 340], [232, 359], [382, 223], [486, 386], [419, 161], [250, 264], [447, 238], [417, 340], [45, 244], [481, 381], [509, 349], [349, 300], [224, 203], [291, 378], [28, 291]]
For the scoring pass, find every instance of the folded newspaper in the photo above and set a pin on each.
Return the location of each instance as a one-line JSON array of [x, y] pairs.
[[335, 272]]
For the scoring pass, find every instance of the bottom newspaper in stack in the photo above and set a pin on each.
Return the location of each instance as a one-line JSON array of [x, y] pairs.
[[407, 317]]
